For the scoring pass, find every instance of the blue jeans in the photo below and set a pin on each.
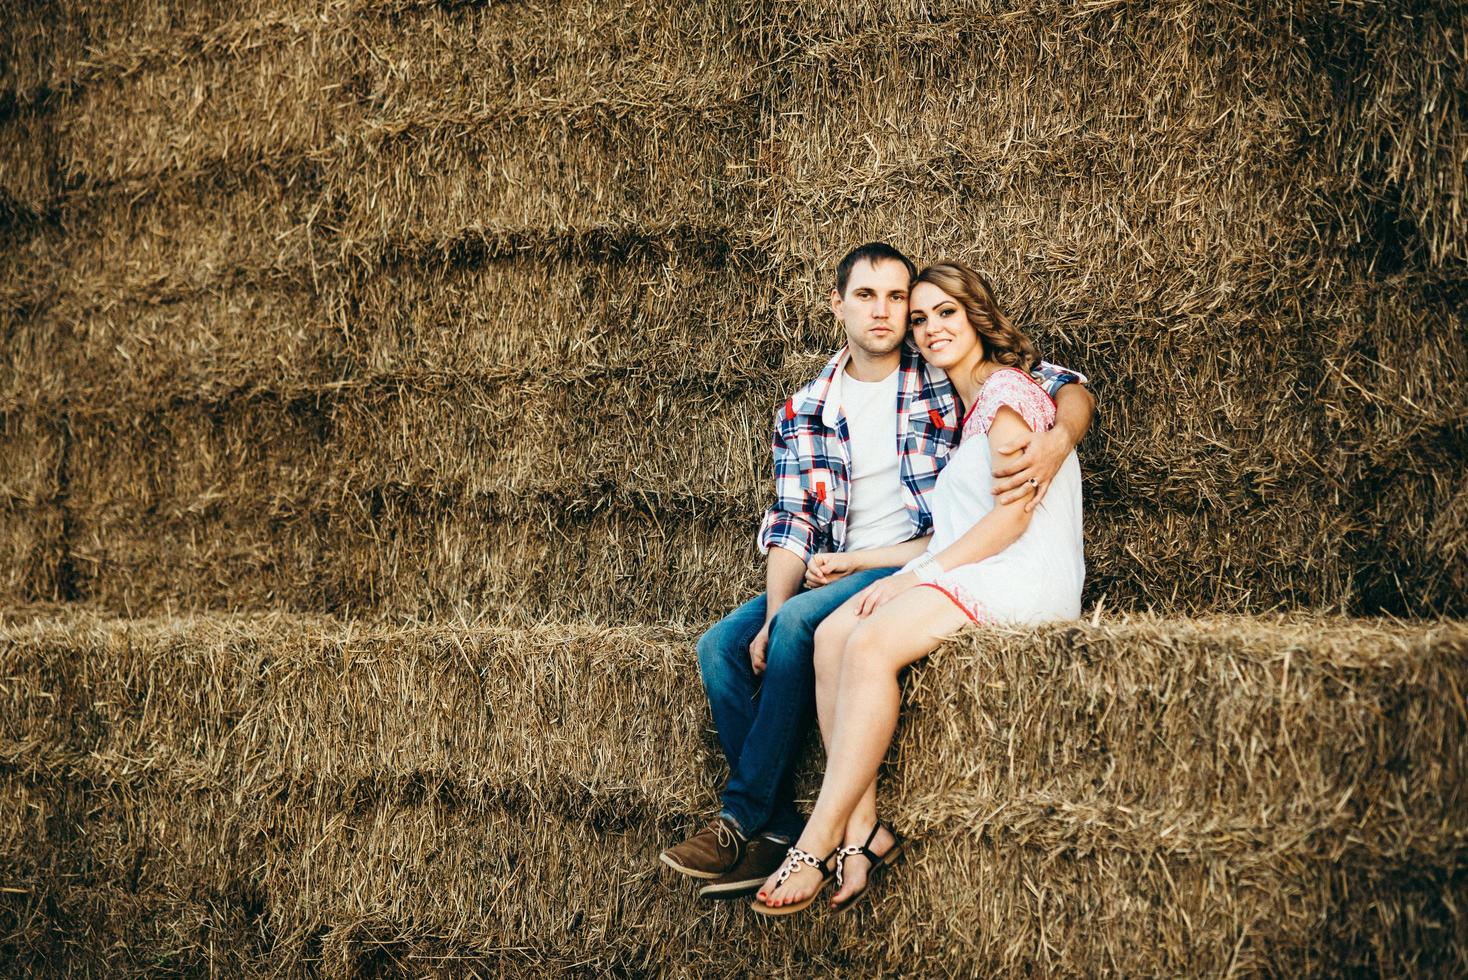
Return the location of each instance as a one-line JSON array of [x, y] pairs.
[[762, 721]]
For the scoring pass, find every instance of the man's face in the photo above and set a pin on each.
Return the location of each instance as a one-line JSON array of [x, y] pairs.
[[874, 309]]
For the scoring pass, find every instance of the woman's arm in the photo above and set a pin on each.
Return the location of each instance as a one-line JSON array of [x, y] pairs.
[[1039, 455], [829, 566], [997, 530]]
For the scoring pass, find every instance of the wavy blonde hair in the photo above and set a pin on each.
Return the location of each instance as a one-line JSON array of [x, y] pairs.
[[1002, 341]]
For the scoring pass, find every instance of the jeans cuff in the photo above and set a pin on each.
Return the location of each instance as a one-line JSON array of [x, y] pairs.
[[738, 827]]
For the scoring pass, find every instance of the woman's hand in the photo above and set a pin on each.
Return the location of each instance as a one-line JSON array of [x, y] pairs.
[[1044, 452], [828, 566], [878, 594]]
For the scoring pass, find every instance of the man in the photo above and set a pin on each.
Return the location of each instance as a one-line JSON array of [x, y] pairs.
[[856, 452]]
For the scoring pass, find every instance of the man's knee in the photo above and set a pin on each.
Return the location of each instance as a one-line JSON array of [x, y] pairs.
[[716, 652], [791, 639], [795, 625]]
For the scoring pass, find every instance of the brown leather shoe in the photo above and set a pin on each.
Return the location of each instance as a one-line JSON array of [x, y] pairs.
[[761, 857], [707, 854]]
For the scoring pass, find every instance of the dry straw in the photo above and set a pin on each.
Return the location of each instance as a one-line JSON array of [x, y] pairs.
[[421, 311], [561, 252], [1148, 797]]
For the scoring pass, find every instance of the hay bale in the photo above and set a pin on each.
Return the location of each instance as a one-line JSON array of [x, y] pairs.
[[538, 559], [250, 227], [233, 340], [209, 501], [201, 112], [1150, 796], [31, 508], [27, 164], [41, 40], [423, 487], [1396, 129], [185, 290], [364, 308], [1243, 222], [464, 107], [644, 307], [228, 505], [580, 438], [1403, 436]]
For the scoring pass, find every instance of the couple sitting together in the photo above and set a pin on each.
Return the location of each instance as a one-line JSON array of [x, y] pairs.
[[919, 488]]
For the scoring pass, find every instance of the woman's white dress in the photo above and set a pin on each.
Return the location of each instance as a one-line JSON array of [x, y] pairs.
[[1039, 576]]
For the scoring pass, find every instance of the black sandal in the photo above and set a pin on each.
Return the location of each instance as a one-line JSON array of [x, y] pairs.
[[794, 858], [877, 863]]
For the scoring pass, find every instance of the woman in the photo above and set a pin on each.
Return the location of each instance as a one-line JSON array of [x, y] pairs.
[[986, 563]]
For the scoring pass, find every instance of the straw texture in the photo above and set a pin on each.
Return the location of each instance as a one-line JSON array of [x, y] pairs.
[[273, 794], [403, 371], [557, 248]]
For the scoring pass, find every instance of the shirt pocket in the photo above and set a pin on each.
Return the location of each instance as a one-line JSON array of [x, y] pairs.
[[931, 434], [819, 484]]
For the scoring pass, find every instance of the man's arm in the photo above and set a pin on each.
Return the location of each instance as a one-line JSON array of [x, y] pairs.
[[1044, 452], [829, 566], [788, 538], [784, 571]]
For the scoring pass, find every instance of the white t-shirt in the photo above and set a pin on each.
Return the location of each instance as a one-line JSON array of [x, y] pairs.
[[876, 515]]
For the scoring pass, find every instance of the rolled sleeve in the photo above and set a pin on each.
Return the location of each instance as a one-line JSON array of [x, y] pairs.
[[788, 524], [793, 532], [1053, 377]]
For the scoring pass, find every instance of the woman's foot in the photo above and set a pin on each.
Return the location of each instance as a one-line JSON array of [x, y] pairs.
[[796, 881], [856, 867]]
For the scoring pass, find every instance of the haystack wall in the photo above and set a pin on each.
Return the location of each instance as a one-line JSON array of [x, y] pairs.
[[490, 270]]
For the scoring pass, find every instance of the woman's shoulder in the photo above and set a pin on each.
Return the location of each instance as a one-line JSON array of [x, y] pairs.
[[1012, 387], [1012, 377]]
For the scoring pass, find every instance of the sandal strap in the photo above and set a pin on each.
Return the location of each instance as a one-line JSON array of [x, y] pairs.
[[794, 858], [860, 850], [842, 853]]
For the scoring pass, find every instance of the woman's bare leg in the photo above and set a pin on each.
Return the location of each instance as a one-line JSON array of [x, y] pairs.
[[830, 645], [867, 699]]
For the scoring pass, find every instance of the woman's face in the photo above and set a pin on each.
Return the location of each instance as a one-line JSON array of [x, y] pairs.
[[941, 329]]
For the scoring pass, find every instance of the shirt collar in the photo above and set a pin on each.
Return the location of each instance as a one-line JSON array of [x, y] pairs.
[[831, 408], [823, 396], [812, 399]]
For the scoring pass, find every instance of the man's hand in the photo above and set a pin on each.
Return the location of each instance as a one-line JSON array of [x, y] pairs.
[[757, 648], [828, 566], [878, 594], [1033, 471]]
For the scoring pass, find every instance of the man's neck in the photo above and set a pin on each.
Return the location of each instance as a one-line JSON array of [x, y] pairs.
[[864, 367]]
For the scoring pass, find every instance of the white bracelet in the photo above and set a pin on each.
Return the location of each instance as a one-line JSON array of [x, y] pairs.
[[927, 570]]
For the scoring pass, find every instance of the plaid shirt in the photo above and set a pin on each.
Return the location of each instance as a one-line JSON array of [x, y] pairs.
[[813, 452]]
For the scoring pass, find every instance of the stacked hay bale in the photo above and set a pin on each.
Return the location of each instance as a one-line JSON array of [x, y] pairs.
[[419, 292], [464, 312], [1155, 797]]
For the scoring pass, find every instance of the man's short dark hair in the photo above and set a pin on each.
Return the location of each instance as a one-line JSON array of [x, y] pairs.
[[871, 252]]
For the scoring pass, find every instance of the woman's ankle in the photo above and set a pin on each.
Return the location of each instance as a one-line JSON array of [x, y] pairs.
[[815, 840], [858, 827], [874, 835]]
